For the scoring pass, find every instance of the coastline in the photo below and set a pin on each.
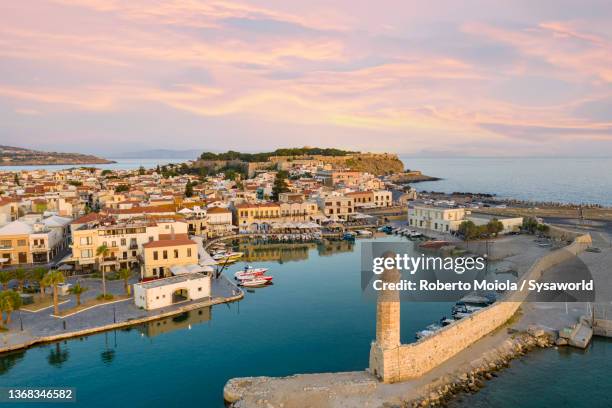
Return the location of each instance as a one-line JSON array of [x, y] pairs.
[[63, 163]]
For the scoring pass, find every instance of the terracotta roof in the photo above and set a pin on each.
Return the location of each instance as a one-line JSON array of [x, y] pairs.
[[169, 242], [258, 205], [218, 210], [87, 218]]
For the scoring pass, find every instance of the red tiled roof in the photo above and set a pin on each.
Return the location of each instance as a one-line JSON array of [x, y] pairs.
[[218, 210], [169, 242]]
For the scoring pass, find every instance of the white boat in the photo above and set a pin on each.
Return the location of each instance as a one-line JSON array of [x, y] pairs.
[[254, 283], [364, 233], [415, 234], [249, 272]]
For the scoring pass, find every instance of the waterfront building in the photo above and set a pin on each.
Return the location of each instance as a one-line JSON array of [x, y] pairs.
[[219, 221], [124, 240], [172, 290], [435, 218], [257, 216], [447, 218], [167, 252], [335, 205]]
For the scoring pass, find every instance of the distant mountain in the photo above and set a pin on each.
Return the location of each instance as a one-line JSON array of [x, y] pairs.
[[159, 154], [19, 156]]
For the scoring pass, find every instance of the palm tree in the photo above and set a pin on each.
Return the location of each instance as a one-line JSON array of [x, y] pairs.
[[103, 251], [9, 302], [38, 274], [125, 274], [20, 275], [54, 278], [77, 290], [5, 278]]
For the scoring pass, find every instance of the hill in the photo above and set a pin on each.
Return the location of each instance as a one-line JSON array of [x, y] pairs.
[[19, 156]]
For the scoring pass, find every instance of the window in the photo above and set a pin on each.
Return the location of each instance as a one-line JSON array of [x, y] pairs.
[[176, 253], [165, 254], [86, 253], [85, 240], [150, 239], [122, 241], [188, 251], [155, 256], [199, 289], [21, 242], [6, 243], [114, 244]]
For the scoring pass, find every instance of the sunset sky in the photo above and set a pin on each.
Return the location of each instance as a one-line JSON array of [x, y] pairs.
[[425, 78]]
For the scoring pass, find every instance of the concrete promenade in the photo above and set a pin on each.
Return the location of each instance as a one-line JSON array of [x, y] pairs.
[[41, 326]]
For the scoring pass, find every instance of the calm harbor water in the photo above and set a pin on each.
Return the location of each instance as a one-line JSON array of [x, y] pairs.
[[565, 377], [567, 180], [313, 319]]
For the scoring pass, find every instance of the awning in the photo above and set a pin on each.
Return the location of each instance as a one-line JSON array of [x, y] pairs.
[[191, 268]]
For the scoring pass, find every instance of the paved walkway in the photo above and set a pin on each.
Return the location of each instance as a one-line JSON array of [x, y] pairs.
[[42, 323]]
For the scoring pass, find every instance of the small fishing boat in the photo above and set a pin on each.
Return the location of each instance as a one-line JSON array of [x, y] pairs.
[[254, 283], [349, 236], [249, 273], [364, 233], [227, 256]]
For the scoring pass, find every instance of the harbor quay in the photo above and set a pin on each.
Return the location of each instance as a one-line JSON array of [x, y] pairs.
[[30, 328]]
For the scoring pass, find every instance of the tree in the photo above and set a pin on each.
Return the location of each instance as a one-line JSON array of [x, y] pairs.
[[494, 227], [17, 179], [141, 171], [20, 275], [5, 278], [468, 230], [188, 189], [125, 274], [9, 302], [57, 356], [37, 275], [77, 290], [530, 224], [280, 184], [122, 188], [54, 278], [103, 251]]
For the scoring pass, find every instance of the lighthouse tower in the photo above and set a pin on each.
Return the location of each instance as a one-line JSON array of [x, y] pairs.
[[385, 350]]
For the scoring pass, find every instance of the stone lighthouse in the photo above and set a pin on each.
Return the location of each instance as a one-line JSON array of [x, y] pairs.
[[385, 350]]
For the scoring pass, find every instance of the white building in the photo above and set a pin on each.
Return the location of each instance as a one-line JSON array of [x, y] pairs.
[[436, 218], [444, 218], [176, 289]]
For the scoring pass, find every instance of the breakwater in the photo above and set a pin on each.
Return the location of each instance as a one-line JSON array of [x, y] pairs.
[[392, 362]]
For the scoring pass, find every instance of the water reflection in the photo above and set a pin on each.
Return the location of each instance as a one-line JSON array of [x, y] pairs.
[[182, 321], [262, 251], [108, 355], [58, 355], [9, 360]]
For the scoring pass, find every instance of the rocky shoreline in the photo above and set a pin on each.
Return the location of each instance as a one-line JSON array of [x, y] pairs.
[[484, 368]]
